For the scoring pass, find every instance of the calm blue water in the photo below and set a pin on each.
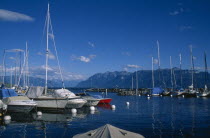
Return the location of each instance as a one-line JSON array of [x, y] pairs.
[[156, 117]]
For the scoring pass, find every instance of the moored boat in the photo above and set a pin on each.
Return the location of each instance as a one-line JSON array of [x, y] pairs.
[[91, 101], [46, 101], [16, 103], [73, 100], [102, 99], [157, 91]]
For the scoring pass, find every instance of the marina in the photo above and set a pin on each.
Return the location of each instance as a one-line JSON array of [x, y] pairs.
[[180, 117], [104, 69]]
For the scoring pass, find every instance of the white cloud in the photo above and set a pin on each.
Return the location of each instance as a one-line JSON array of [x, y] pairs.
[[125, 69], [185, 27], [83, 58], [51, 55], [51, 35], [132, 66], [54, 73], [91, 44], [126, 53], [176, 12], [14, 50], [40, 53], [92, 56], [155, 61], [6, 15], [48, 68], [12, 58]]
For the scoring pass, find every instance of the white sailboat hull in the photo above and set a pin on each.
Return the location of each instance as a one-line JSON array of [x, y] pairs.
[[75, 103], [51, 102], [21, 106], [203, 94]]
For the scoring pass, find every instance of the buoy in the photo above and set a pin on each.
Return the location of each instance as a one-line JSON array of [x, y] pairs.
[[74, 114], [197, 96], [92, 111], [7, 122], [7, 117], [39, 117], [4, 107], [161, 95], [171, 95], [92, 108], [139, 94], [73, 111], [127, 103], [148, 97], [39, 113], [183, 96], [113, 107]]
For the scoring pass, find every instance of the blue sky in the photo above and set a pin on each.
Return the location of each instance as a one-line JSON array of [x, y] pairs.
[[95, 36]]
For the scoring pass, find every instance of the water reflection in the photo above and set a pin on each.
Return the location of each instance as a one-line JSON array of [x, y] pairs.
[[157, 117], [104, 106]]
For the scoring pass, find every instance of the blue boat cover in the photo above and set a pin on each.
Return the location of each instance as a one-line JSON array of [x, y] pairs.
[[97, 96], [4, 93], [157, 90]]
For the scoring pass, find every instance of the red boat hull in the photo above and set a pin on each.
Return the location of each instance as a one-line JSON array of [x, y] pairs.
[[105, 100]]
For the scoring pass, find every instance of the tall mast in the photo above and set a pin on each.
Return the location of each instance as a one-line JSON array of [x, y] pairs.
[[206, 72], [158, 59], [11, 78], [132, 83], [153, 80], [136, 81], [26, 67], [180, 64], [16, 70], [47, 50], [192, 64], [171, 73], [20, 67], [27, 84], [4, 68]]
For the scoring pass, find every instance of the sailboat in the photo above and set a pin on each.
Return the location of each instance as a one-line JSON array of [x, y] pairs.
[[191, 92], [14, 102], [157, 91], [53, 100], [181, 91], [206, 92]]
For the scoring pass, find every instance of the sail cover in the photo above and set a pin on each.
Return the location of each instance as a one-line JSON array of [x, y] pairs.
[[15, 98], [34, 92], [4, 93], [108, 131], [157, 90]]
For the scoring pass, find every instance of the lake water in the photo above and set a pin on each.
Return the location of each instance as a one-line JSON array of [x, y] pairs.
[[154, 117]]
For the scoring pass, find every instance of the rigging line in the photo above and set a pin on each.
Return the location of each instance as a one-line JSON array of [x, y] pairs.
[[43, 33], [180, 64], [172, 84], [174, 78], [56, 53], [21, 72], [206, 73]]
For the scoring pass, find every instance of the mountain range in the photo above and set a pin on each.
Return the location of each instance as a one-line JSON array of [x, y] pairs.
[[123, 79], [35, 81]]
